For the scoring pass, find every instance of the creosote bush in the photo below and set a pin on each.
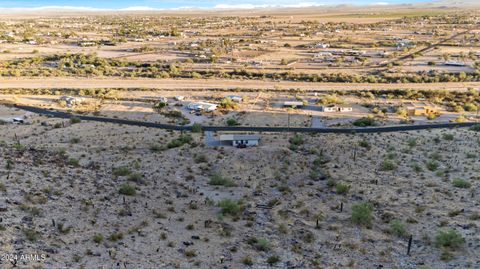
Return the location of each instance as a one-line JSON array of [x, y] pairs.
[[449, 239], [230, 207], [219, 180], [362, 213], [461, 183], [126, 189]]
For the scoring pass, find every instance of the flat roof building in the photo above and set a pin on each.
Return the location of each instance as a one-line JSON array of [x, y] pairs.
[[237, 140]]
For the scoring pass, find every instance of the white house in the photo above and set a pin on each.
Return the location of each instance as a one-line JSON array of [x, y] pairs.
[[237, 140]]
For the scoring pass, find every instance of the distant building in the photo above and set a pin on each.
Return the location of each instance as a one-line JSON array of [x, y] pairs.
[[71, 101], [335, 108], [202, 106], [453, 63], [293, 104], [235, 98], [241, 140], [421, 109]]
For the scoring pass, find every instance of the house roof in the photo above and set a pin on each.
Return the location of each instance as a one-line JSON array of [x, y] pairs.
[[239, 137]]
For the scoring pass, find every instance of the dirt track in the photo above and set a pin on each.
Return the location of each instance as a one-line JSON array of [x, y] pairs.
[[177, 84]]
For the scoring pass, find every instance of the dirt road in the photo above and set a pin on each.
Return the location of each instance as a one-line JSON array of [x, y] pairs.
[[189, 84]]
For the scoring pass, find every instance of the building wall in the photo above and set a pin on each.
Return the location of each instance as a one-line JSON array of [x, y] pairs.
[[246, 142]]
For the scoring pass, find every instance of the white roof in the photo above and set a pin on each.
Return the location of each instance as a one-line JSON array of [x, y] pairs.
[[239, 137]]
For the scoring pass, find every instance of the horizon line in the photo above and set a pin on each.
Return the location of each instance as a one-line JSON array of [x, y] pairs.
[[216, 7]]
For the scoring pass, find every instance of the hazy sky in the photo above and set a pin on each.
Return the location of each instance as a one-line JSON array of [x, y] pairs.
[[159, 4]]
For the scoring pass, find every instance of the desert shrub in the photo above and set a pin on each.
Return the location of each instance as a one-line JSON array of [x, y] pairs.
[[342, 188], [296, 140], [136, 177], [219, 180], [247, 260], [461, 183], [197, 128], [449, 239], [364, 122], [431, 165], [227, 103], [98, 238], [127, 189], [159, 105], [74, 120], [388, 165], [201, 158], [73, 162], [362, 213], [470, 107], [398, 228], [180, 141], [31, 234], [412, 142], [121, 171], [230, 207], [448, 136], [231, 122], [116, 236], [260, 244], [330, 99], [475, 128], [364, 144], [273, 259]]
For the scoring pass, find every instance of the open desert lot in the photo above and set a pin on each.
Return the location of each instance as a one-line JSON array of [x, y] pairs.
[[239, 135], [85, 194]]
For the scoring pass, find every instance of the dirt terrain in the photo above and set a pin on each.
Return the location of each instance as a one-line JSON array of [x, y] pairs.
[[62, 185]]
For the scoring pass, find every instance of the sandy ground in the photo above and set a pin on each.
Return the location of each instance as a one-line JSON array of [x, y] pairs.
[[163, 224]]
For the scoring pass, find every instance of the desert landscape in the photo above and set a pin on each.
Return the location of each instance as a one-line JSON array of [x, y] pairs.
[[320, 137]]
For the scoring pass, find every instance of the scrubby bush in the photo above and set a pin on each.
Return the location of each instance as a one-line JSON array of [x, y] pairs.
[[232, 122], [121, 171], [219, 180], [398, 228], [342, 188], [388, 165], [197, 128], [364, 122], [362, 213], [449, 239], [296, 140], [127, 189], [461, 183], [230, 207], [74, 120]]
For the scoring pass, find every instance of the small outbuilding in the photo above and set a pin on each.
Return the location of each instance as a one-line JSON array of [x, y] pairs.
[[293, 104], [241, 140]]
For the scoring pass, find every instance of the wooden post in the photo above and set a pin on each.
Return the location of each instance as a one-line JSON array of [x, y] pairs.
[[317, 225], [341, 207], [409, 245], [354, 154], [53, 222]]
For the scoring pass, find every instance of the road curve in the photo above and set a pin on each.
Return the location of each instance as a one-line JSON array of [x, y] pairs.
[[398, 128]]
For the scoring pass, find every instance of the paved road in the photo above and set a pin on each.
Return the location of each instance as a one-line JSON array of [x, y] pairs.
[[386, 129]]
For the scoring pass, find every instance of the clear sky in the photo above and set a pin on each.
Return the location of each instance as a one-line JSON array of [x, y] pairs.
[[167, 4]]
